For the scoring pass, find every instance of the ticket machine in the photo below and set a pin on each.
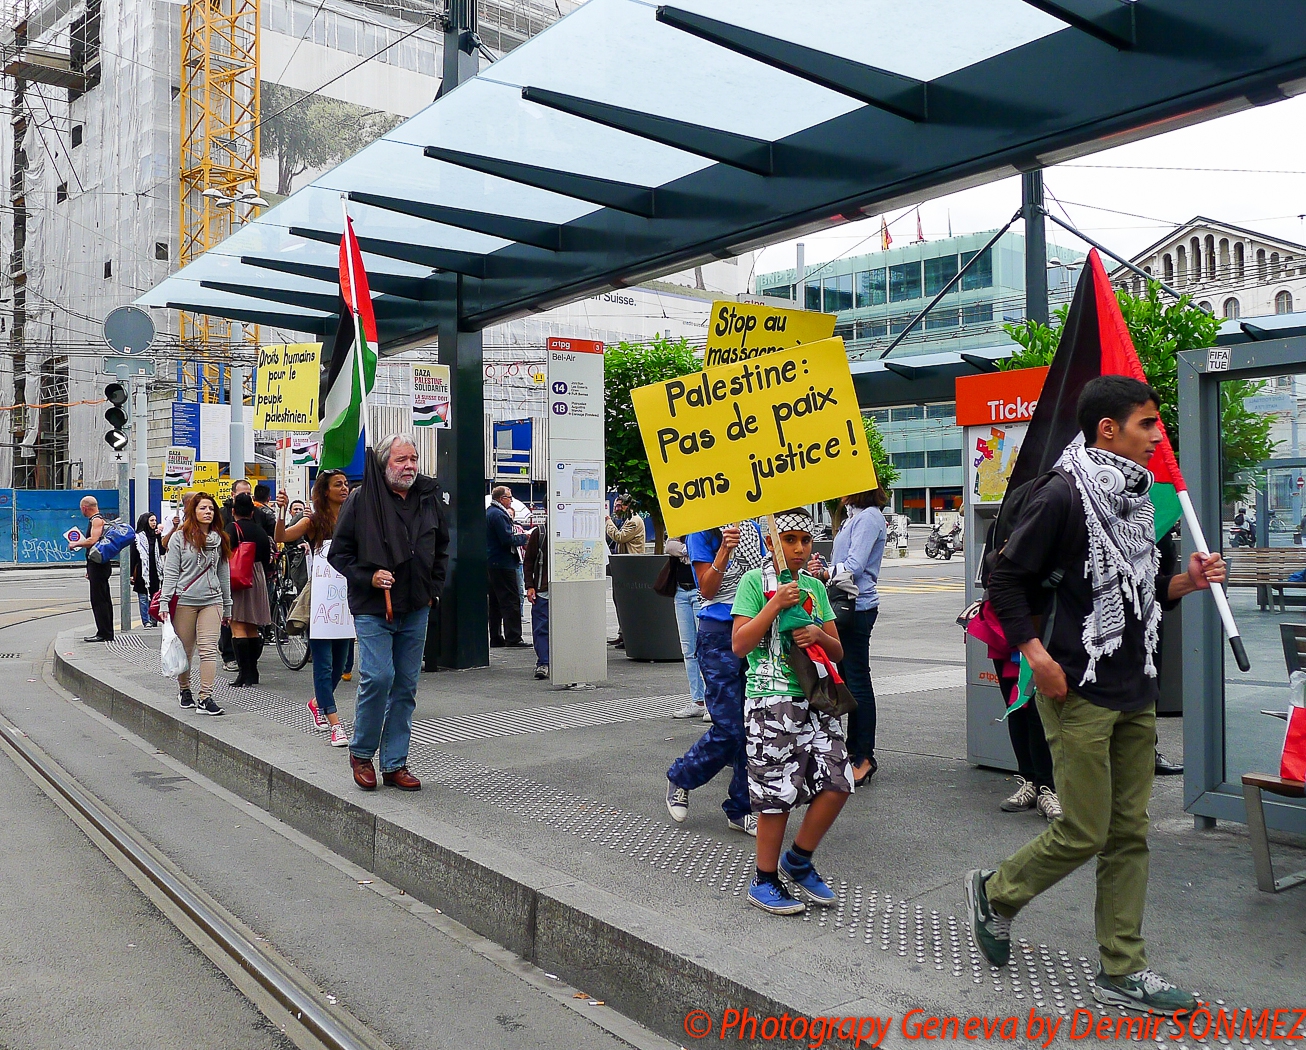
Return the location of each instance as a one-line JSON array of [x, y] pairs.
[[995, 409]]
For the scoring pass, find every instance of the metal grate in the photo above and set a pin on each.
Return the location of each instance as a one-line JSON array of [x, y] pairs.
[[10, 656], [1046, 978]]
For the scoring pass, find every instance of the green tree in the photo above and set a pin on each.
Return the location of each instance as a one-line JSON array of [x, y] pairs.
[[1159, 332], [314, 131], [625, 367]]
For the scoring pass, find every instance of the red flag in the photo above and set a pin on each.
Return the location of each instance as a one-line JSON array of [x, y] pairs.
[[353, 283], [885, 239], [920, 234]]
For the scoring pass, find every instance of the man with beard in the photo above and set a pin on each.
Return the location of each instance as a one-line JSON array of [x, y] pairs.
[[391, 544]]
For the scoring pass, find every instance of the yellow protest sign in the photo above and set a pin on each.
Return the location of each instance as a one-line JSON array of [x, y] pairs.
[[742, 331], [286, 387], [754, 437]]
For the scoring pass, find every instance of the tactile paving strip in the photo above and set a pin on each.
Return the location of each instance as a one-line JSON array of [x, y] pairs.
[[1047, 979]]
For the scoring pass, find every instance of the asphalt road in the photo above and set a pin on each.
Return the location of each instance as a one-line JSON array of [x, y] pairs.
[[87, 961]]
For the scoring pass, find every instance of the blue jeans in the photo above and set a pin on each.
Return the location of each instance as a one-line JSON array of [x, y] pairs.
[[723, 744], [856, 670], [328, 665], [349, 660], [540, 628], [687, 606], [389, 661], [144, 600]]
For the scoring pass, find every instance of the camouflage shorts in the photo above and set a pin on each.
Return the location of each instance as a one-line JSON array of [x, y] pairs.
[[793, 753]]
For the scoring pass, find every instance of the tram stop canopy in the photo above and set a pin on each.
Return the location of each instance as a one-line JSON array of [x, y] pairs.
[[631, 140]]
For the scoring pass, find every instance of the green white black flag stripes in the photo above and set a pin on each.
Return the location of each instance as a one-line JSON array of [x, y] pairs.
[[352, 374]]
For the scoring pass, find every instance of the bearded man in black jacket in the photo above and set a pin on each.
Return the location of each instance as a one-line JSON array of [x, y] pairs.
[[391, 545]]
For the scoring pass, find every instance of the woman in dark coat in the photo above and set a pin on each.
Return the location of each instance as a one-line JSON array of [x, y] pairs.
[[250, 608], [147, 564]]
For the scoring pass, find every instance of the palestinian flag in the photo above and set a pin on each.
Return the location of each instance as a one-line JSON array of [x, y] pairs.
[[344, 407], [1094, 342]]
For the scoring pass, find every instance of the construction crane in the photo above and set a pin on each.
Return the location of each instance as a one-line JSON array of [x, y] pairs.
[[219, 144]]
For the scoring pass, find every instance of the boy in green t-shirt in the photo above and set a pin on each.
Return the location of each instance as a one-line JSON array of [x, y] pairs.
[[795, 755]]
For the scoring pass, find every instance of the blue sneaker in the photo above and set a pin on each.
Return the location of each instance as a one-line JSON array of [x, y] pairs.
[[806, 881], [774, 898]]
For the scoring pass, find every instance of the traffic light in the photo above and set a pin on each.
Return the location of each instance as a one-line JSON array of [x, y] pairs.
[[116, 416]]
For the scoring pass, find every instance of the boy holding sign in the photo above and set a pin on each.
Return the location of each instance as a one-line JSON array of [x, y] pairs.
[[796, 756]]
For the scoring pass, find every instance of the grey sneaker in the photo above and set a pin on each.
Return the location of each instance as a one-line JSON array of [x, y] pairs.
[[677, 802], [747, 824], [1144, 990], [992, 932], [1048, 804], [1024, 797], [693, 709]]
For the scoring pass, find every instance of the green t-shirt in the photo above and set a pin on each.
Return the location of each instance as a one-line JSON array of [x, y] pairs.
[[769, 673]]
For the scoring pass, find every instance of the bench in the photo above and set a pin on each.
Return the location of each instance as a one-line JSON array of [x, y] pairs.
[[1267, 569], [1253, 786]]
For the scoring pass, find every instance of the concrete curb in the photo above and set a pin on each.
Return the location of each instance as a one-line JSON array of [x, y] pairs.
[[620, 952]]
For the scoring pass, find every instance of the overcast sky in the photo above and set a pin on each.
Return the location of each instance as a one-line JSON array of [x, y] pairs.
[[1163, 182]]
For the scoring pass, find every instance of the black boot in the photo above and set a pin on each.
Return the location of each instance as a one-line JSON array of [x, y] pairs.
[[241, 649], [255, 651]]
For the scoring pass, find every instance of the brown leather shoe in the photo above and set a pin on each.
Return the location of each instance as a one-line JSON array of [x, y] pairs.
[[364, 772], [402, 779]]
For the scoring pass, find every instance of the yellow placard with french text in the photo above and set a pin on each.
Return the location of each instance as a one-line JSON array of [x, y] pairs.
[[754, 437], [743, 331], [286, 386]]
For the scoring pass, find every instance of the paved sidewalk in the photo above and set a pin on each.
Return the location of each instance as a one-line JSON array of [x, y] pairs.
[[554, 799]]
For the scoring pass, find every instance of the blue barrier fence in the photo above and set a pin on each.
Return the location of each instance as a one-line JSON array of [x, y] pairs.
[[33, 521]]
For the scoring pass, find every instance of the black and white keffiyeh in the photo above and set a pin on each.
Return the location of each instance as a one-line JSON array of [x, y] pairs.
[[1122, 554]]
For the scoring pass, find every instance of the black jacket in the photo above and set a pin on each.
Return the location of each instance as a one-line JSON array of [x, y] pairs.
[[420, 578], [248, 530]]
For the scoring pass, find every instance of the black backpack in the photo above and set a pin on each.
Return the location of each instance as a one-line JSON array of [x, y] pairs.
[[1011, 513]]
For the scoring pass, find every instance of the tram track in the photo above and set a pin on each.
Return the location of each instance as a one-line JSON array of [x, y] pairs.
[[282, 993]]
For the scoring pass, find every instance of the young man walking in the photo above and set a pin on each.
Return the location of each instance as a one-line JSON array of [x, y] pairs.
[[1087, 539]]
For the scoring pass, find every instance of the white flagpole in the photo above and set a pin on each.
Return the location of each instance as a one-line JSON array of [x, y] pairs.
[[1217, 592], [358, 333]]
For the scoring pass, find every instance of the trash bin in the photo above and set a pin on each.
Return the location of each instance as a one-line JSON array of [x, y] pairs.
[[648, 620]]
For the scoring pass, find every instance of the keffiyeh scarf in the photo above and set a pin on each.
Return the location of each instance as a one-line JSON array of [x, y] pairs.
[[1122, 554]]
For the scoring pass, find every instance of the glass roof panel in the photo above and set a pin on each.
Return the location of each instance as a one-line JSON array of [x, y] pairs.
[[275, 242], [317, 208], [492, 120], [923, 39], [398, 169], [626, 50]]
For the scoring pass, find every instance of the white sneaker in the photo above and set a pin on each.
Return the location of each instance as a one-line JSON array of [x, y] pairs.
[[1048, 804], [230, 665], [1023, 798], [677, 802], [339, 738], [693, 709]]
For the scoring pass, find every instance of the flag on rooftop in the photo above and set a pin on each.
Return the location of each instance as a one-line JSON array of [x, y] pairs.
[[885, 239]]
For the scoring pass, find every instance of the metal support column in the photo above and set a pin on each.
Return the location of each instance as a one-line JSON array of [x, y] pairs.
[[141, 437], [124, 557], [1036, 253], [461, 58], [236, 451], [464, 639]]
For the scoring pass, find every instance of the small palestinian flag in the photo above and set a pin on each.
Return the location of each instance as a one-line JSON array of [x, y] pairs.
[[1094, 342], [303, 453], [344, 408], [432, 415]]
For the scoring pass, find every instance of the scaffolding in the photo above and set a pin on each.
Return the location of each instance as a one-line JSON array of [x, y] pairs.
[[219, 137]]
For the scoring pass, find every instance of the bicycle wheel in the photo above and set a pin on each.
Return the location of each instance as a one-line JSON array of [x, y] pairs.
[[292, 648]]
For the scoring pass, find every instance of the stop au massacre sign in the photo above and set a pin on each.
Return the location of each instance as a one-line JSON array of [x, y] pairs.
[[754, 437]]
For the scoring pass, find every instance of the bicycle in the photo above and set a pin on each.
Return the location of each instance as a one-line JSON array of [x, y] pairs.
[[291, 647]]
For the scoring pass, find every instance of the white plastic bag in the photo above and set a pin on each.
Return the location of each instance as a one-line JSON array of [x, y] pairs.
[[173, 656]]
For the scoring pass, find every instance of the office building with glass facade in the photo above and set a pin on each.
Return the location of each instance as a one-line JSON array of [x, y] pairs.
[[875, 297]]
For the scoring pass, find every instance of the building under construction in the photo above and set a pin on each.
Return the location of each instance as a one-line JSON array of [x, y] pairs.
[[140, 133]]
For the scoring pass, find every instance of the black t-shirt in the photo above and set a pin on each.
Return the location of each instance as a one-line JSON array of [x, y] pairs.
[[1053, 536]]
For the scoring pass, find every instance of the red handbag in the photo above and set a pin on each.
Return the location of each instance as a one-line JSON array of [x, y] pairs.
[[1293, 764], [242, 562]]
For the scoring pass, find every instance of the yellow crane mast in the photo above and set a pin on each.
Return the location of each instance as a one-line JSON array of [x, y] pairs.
[[219, 139]]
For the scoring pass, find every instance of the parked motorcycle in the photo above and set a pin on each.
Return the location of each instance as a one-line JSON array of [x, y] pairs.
[[943, 544]]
